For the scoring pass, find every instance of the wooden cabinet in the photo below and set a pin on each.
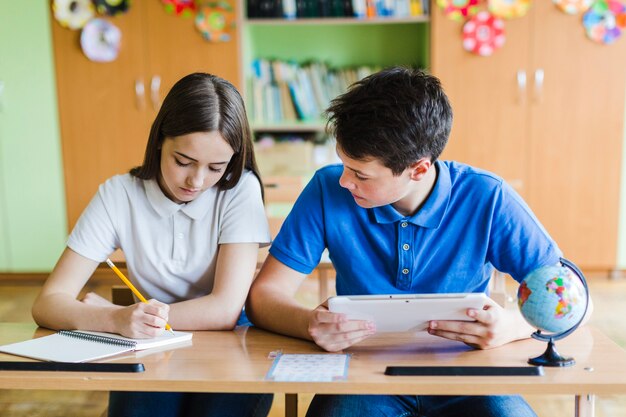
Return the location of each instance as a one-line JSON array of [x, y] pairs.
[[545, 112], [106, 109]]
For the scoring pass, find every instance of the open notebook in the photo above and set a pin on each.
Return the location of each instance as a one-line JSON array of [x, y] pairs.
[[85, 346]]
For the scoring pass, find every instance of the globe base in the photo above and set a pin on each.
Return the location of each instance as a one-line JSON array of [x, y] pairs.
[[551, 358]]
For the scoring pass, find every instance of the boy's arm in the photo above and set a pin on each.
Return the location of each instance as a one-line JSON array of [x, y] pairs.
[[271, 303], [272, 306]]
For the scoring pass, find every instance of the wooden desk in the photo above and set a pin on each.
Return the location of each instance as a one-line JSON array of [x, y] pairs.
[[238, 361]]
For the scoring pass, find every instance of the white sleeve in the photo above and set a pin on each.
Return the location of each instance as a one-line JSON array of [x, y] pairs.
[[244, 219], [94, 235]]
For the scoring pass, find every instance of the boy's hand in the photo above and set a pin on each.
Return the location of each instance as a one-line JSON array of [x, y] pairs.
[[494, 326], [333, 331]]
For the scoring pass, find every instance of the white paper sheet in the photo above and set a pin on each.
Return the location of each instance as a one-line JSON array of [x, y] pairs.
[[309, 367]]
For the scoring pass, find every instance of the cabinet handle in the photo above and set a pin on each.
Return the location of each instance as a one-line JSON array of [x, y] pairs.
[[155, 92], [539, 75], [521, 86], [140, 95]]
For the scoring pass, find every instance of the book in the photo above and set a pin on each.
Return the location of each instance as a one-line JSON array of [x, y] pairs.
[[85, 346]]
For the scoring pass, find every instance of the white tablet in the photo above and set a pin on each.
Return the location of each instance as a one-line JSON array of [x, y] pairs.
[[407, 312]]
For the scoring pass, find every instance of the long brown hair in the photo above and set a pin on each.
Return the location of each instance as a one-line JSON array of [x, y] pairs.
[[201, 102]]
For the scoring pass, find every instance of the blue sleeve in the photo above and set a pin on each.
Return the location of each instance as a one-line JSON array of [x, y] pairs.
[[301, 239], [518, 242]]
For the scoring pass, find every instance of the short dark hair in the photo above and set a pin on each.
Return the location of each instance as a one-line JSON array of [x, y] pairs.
[[398, 116], [201, 102]]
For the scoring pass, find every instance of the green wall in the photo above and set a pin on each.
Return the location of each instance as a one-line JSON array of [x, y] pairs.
[[342, 45], [32, 198]]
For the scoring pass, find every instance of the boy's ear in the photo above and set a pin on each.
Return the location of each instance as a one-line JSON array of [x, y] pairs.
[[419, 168]]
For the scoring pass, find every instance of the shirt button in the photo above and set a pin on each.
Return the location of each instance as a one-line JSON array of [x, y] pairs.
[[404, 224], [405, 246], [405, 271], [180, 235]]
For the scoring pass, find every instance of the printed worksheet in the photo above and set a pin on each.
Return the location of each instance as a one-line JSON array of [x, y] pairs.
[[309, 367]]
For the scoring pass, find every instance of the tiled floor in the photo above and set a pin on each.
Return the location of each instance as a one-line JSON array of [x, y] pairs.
[[15, 302]]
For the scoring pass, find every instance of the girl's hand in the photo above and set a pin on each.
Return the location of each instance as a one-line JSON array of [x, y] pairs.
[[333, 331], [93, 299], [142, 320], [493, 326]]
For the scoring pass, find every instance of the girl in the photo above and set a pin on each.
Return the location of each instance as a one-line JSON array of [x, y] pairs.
[[190, 221]]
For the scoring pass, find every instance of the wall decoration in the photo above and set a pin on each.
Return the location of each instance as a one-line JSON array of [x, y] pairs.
[[483, 34], [602, 21], [620, 18], [73, 14], [509, 9], [111, 7], [185, 8], [573, 6], [100, 40], [215, 21], [459, 9]]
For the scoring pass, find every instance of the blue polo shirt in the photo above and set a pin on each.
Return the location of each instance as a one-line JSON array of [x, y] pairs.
[[471, 222]]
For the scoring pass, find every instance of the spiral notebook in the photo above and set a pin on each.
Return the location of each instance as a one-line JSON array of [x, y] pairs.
[[86, 346]]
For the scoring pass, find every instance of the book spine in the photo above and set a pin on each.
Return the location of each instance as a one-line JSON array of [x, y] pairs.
[[289, 9], [359, 8]]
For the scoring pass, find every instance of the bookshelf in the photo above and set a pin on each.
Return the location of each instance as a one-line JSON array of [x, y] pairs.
[[338, 43]]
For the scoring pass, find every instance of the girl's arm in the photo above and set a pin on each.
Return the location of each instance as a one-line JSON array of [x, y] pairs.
[[56, 306], [234, 273]]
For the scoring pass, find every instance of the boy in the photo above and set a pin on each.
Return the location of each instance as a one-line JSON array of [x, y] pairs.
[[396, 220]]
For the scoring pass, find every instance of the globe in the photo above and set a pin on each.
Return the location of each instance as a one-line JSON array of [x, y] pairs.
[[554, 300]]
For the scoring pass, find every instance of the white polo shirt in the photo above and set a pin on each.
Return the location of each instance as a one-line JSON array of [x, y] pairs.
[[170, 249]]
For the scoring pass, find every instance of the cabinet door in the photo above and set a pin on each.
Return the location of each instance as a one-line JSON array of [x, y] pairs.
[[576, 134], [105, 116], [104, 126], [488, 98], [176, 48]]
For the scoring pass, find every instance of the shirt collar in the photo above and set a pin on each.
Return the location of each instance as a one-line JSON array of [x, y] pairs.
[[165, 207], [432, 211]]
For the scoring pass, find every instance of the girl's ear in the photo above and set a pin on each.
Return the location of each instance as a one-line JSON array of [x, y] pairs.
[[419, 168]]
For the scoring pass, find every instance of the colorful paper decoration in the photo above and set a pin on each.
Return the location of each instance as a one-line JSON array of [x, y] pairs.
[[573, 6], [73, 14], [602, 21], [185, 8], [509, 9], [483, 34], [458, 9], [215, 20], [620, 20], [111, 7], [100, 40]]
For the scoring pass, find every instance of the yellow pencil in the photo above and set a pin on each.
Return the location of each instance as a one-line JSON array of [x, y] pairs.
[[132, 288]]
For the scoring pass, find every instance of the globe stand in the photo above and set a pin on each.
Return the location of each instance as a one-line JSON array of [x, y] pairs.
[[551, 357]]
